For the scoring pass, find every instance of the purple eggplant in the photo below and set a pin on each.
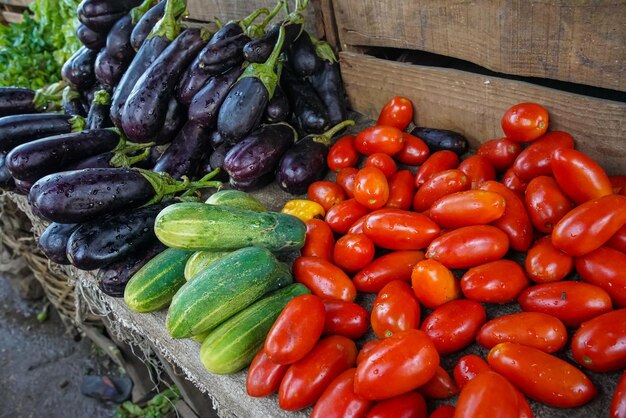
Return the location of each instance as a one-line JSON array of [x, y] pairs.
[[22, 187], [442, 139], [216, 160], [260, 152], [308, 109], [222, 55], [98, 116], [53, 242], [90, 38], [113, 278], [101, 15], [99, 243], [191, 82], [252, 184], [35, 159], [329, 87], [206, 104], [160, 37], [302, 56], [17, 101], [215, 139], [112, 160], [72, 103], [145, 23], [118, 40], [6, 181], [82, 195], [149, 162], [305, 162], [174, 120], [78, 71], [278, 109], [108, 70], [185, 155], [145, 108], [20, 129]]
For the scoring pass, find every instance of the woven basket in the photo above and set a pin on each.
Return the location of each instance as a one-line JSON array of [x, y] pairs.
[[16, 237]]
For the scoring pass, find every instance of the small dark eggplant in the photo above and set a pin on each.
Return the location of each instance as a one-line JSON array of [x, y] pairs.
[[113, 278], [215, 139], [6, 181], [174, 121], [118, 40], [145, 109], [99, 243], [260, 152], [78, 71], [216, 160], [185, 155], [278, 109], [259, 50], [108, 70], [72, 103], [35, 159], [145, 23], [308, 109], [101, 15], [23, 187], [98, 117], [329, 87], [166, 29], [252, 184], [206, 104], [245, 103], [305, 162], [442, 139], [53, 242], [192, 80], [20, 129], [83, 195], [17, 101], [90, 38], [222, 55], [302, 56]]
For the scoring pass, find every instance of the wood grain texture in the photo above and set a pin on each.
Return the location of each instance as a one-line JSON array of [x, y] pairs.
[[474, 104], [580, 41]]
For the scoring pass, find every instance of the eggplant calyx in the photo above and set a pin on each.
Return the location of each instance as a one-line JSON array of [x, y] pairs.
[[49, 98], [137, 12], [169, 26], [266, 72], [121, 159], [102, 97], [257, 31], [205, 34], [77, 123], [323, 50], [165, 185], [326, 137]]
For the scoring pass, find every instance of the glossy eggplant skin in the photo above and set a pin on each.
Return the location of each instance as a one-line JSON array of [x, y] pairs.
[[308, 109], [206, 104], [259, 50], [53, 242], [82, 195], [97, 161], [174, 120], [145, 109], [259, 153], [99, 243], [101, 15], [108, 70], [252, 184], [73, 105], [186, 153], [223, 54], [22, 187], [20, 129], [146, 23], [150, 161], [215, 139], [216, 160], [242, 109], [16, 101], [78, 71], [329, 87], [278, 109], [442, 139], [90, 38], [302, 56], [229, 30], [98, 116], [301, 165], [118, 40], [32, 161], [113, 278], [146, 55], [6, 181]]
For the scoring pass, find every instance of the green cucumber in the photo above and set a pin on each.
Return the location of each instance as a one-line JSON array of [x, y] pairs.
[[236, 199], [232, 345], [201, 260], [154, 285], [224, 288], [201, 227]]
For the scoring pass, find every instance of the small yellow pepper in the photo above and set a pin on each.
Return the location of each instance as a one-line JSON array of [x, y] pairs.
[[304, 210]]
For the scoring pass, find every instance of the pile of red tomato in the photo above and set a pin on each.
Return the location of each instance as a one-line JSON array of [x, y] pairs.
[[399, 235]]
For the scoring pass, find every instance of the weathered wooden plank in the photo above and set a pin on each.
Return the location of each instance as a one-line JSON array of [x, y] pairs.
[[578, 41], [12, 17], [474, 104]]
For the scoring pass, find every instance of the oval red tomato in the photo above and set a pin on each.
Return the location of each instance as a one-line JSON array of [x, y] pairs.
[[546, 203], [264, 376], [444, 411], [345, 178], [396, 265], [319, 241], [471, 207], [396, 229], [439, 185], [397, 112], [618, 404], [383, 162], [398, 364], [342, 215], [342, 154], [379, 138], [534, 329], [323, 278], [488, 395], [580, 177], [605, 267], [433, 284], [600, 343], [499, 281], [409, 405], [467, 368], [545, 263], [441, 386], [366, 350], [339, 399], [371, 188], [395, 309], [454, 325], [525, 122], [345, 318], [296, 330], [437, 162], [478, 169], [534, 160], [501, 153], [541, 376], [618, 240], [514, 183], [571, 302], [353, 252], [414, 151], [326, 193], [401, 190]]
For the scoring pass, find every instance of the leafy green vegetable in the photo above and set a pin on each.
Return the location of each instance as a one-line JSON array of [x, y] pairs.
[[32, 52], [161, 406]]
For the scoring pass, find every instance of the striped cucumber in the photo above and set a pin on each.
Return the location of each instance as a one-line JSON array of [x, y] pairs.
[[232, 345], [154, 285], [224, 288], [201, 227], [236, 199], [201, 260]]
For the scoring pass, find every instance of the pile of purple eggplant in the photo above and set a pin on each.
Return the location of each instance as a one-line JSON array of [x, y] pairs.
[[153, 111]]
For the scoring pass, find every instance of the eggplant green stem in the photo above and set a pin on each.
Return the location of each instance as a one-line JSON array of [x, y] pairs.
[[166, 186], [323, 49], [124, 160], [266, 71], [169, 26], [102, 97], [77, 123], [218, 22], [327, 137], [247, 21], [257, 31], [138, 12], [49, 98]]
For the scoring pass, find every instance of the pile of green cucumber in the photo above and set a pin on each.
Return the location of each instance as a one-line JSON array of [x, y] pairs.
[[220, 277]]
